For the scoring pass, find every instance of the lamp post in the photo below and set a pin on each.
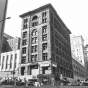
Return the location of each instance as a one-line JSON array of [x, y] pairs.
[[5, 19]]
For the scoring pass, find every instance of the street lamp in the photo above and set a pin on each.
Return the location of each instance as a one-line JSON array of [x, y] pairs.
[[5, 19]]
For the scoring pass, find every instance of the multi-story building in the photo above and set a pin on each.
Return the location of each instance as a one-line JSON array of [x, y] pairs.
[[9, 61], [9, 64], [5, 45], [79, 70], [86, 59], [45, 44], [77, 47], [10, 43], [14, 43]]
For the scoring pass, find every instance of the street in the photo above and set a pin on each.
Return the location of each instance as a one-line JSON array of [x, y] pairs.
[[6, 86]]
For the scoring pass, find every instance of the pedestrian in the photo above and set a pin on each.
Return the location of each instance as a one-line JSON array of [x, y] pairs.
[[52, 81], [25, 83]]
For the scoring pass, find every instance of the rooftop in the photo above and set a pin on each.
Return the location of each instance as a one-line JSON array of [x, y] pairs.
[[42, 8]]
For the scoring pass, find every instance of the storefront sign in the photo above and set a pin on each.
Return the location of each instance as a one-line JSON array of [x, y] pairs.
[[45, 64]]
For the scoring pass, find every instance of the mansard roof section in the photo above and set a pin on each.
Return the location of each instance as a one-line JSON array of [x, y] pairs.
[[42, 8]]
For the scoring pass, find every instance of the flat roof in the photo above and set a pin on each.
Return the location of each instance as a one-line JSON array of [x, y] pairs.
[[42, 8]]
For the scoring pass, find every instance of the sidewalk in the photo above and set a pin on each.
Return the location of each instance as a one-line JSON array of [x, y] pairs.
[[5, 86]]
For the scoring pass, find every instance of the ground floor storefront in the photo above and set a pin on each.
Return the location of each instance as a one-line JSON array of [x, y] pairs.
[[33, 70]]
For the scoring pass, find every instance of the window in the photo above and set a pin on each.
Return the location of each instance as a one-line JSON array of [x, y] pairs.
[[24, 34], [34, 49], [44, 14], [7, 61], [45, 56], [44, 37], [3, 62], [35, 24], [23, 59], [24, 42], [52, 46], [35, 21], [44, 19], [25, 23], [35, 18], [34, 40], [44, 46], [24, 50], [56, 50], [34, 32], [34, 58], [53, 57], [15, 60], [11, 61], [44, 29]]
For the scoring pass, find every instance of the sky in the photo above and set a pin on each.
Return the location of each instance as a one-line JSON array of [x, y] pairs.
[[74, 13]]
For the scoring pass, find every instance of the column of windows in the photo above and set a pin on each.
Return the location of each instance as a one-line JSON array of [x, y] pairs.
[[44, 45], [34, 47]]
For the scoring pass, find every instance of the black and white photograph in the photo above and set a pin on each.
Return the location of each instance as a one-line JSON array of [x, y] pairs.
[[43, 43]]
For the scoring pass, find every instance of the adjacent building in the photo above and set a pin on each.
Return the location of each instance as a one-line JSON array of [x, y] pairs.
[[45, 44], [10, 55], [77, 47], [5, 45], [9, 64], [10, 43], [86, 59], [79, 70]]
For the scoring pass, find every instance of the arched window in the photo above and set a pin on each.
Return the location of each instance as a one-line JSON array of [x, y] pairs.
[[35, 21], [35, 17], [34, 32]]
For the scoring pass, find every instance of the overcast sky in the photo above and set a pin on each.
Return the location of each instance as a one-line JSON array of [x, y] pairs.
[[74, 14]]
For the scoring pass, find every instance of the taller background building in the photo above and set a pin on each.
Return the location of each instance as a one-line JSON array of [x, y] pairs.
[[77, 48], [45, 44]]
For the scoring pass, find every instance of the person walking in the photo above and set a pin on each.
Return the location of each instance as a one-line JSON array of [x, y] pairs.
[[26, 83]]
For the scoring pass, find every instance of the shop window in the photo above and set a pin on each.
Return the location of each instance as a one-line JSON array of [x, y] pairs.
[[22, 70], [44, 69]]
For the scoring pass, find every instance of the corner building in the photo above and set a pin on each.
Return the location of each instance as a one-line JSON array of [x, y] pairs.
[[45, 44]]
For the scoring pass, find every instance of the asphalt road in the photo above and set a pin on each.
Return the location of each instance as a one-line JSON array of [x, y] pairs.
[[6, 86]]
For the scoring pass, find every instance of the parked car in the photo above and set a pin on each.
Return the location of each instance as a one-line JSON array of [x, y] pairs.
[[4, 81], [32, 82], [20, 83], [85, 83]]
